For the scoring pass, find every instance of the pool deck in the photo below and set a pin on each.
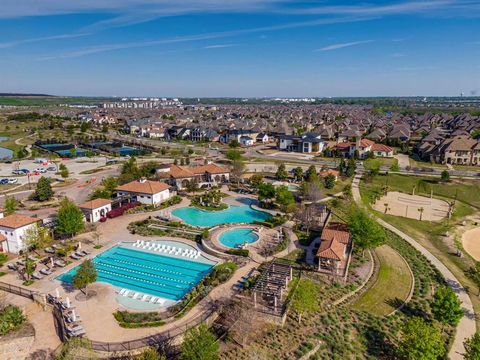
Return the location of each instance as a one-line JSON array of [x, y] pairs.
[[96, 313]]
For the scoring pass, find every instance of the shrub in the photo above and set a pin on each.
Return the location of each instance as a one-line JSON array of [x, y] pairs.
[[238, 252], [11, 318]]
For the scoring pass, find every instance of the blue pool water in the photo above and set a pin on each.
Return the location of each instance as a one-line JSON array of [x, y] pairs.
[[236, 237], [234, 214], [164, 276]]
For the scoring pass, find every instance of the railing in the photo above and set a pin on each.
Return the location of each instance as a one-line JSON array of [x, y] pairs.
[[17, 290], [161, 338]]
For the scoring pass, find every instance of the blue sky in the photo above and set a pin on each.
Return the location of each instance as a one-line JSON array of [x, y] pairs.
[[244, 48]]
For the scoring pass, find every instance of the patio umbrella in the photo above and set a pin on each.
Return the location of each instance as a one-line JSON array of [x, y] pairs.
[[51, 261], [79, 245], [74, 316], [68, 302], [57, 293]]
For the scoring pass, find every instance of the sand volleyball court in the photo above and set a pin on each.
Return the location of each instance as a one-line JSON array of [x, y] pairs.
[[412, 206]]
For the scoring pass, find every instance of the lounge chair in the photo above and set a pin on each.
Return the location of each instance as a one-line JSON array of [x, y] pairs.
[[60, 263], [160, 301], [153, 300], [75, 257], [37, 276], [20, 262], [126, 293], [12, 266], [49, 250], [46, 271], [74, 328], [122, 291], [79, 253], [136, 295], [79, 332], [146, 298]]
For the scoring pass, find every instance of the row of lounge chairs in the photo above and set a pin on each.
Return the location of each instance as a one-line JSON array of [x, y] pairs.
[[77, 255], [71, 320], [141, 297], [147, 245]]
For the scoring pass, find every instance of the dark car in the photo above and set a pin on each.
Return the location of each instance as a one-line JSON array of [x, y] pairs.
[[3, 181]]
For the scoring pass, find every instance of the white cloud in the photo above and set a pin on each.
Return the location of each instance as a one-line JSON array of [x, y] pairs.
[[220, 46], [198, 37], [14, 43], [343, 45]]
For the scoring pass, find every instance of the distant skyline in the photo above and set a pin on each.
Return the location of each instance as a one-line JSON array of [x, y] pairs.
[[240, 48]]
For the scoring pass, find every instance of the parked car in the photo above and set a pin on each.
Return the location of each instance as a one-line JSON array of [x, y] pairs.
[[51, 168], [3, 181], [12, 180], [41, 170], [20, 172]]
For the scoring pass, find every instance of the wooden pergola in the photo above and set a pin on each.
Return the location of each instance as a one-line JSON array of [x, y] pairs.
[[270, 286]]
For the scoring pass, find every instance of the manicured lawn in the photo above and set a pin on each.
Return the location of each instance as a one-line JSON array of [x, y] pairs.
[[391, 286]]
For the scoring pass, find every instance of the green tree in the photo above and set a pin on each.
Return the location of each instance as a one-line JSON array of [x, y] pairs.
[[311, 174], [351, 167], [73, 153], [329, 181], [266, 192], [85, 275], [11, 205], [234, 144], [281, 173], [233, 155], [472, 347], [475, 134], [395, 166], [366, 232], [106, 188], [29, 268], [298, 173], [446, 307], [284, 197], [64, 173], [421, 341], [305, 298], [37, 237], [43, 191], [11, 317], [445, 176], [256, 180], [69, 218], [105, 129], [199, 344], [84, 127]]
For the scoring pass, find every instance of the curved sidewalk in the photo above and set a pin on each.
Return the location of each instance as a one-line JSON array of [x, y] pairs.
[[466, 327]]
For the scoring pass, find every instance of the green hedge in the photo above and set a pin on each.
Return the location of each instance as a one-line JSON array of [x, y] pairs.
[[238, 252], [138, 320]]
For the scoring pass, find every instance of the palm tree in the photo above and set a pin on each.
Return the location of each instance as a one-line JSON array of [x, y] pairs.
[[420, 210], [386, 207]]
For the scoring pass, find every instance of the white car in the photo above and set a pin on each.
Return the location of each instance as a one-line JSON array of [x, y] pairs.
[[12, 180], [41, 170]]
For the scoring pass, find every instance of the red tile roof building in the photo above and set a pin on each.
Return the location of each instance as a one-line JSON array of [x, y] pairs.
[[335, 250]]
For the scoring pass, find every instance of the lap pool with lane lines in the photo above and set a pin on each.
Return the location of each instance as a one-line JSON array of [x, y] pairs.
[[165, 276]]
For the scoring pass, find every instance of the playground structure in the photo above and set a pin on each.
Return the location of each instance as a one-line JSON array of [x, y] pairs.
[[413, 206]]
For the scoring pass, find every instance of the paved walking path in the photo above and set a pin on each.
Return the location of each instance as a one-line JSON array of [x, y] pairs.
[[466, 327]]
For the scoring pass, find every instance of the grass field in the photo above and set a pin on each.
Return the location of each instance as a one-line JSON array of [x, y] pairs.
[[383, 298], [466, 191]]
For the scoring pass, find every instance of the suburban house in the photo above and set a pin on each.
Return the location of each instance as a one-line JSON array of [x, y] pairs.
[[96, 209], [305, 143], [236, 134], [246, 141], [262, 138], [13, 229], [335, 250], [362, 148], [145, 191], [203, 176], [461, 150], [325, 173]]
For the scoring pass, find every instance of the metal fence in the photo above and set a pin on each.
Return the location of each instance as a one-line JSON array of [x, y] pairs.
[[17, 290], [156, 340]]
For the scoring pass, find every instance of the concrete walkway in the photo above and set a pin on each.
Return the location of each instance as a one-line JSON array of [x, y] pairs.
[[466, 327]]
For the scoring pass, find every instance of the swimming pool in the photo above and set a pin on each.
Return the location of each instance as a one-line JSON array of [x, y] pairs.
[[236, 237], [234, 214], [165, 276]]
